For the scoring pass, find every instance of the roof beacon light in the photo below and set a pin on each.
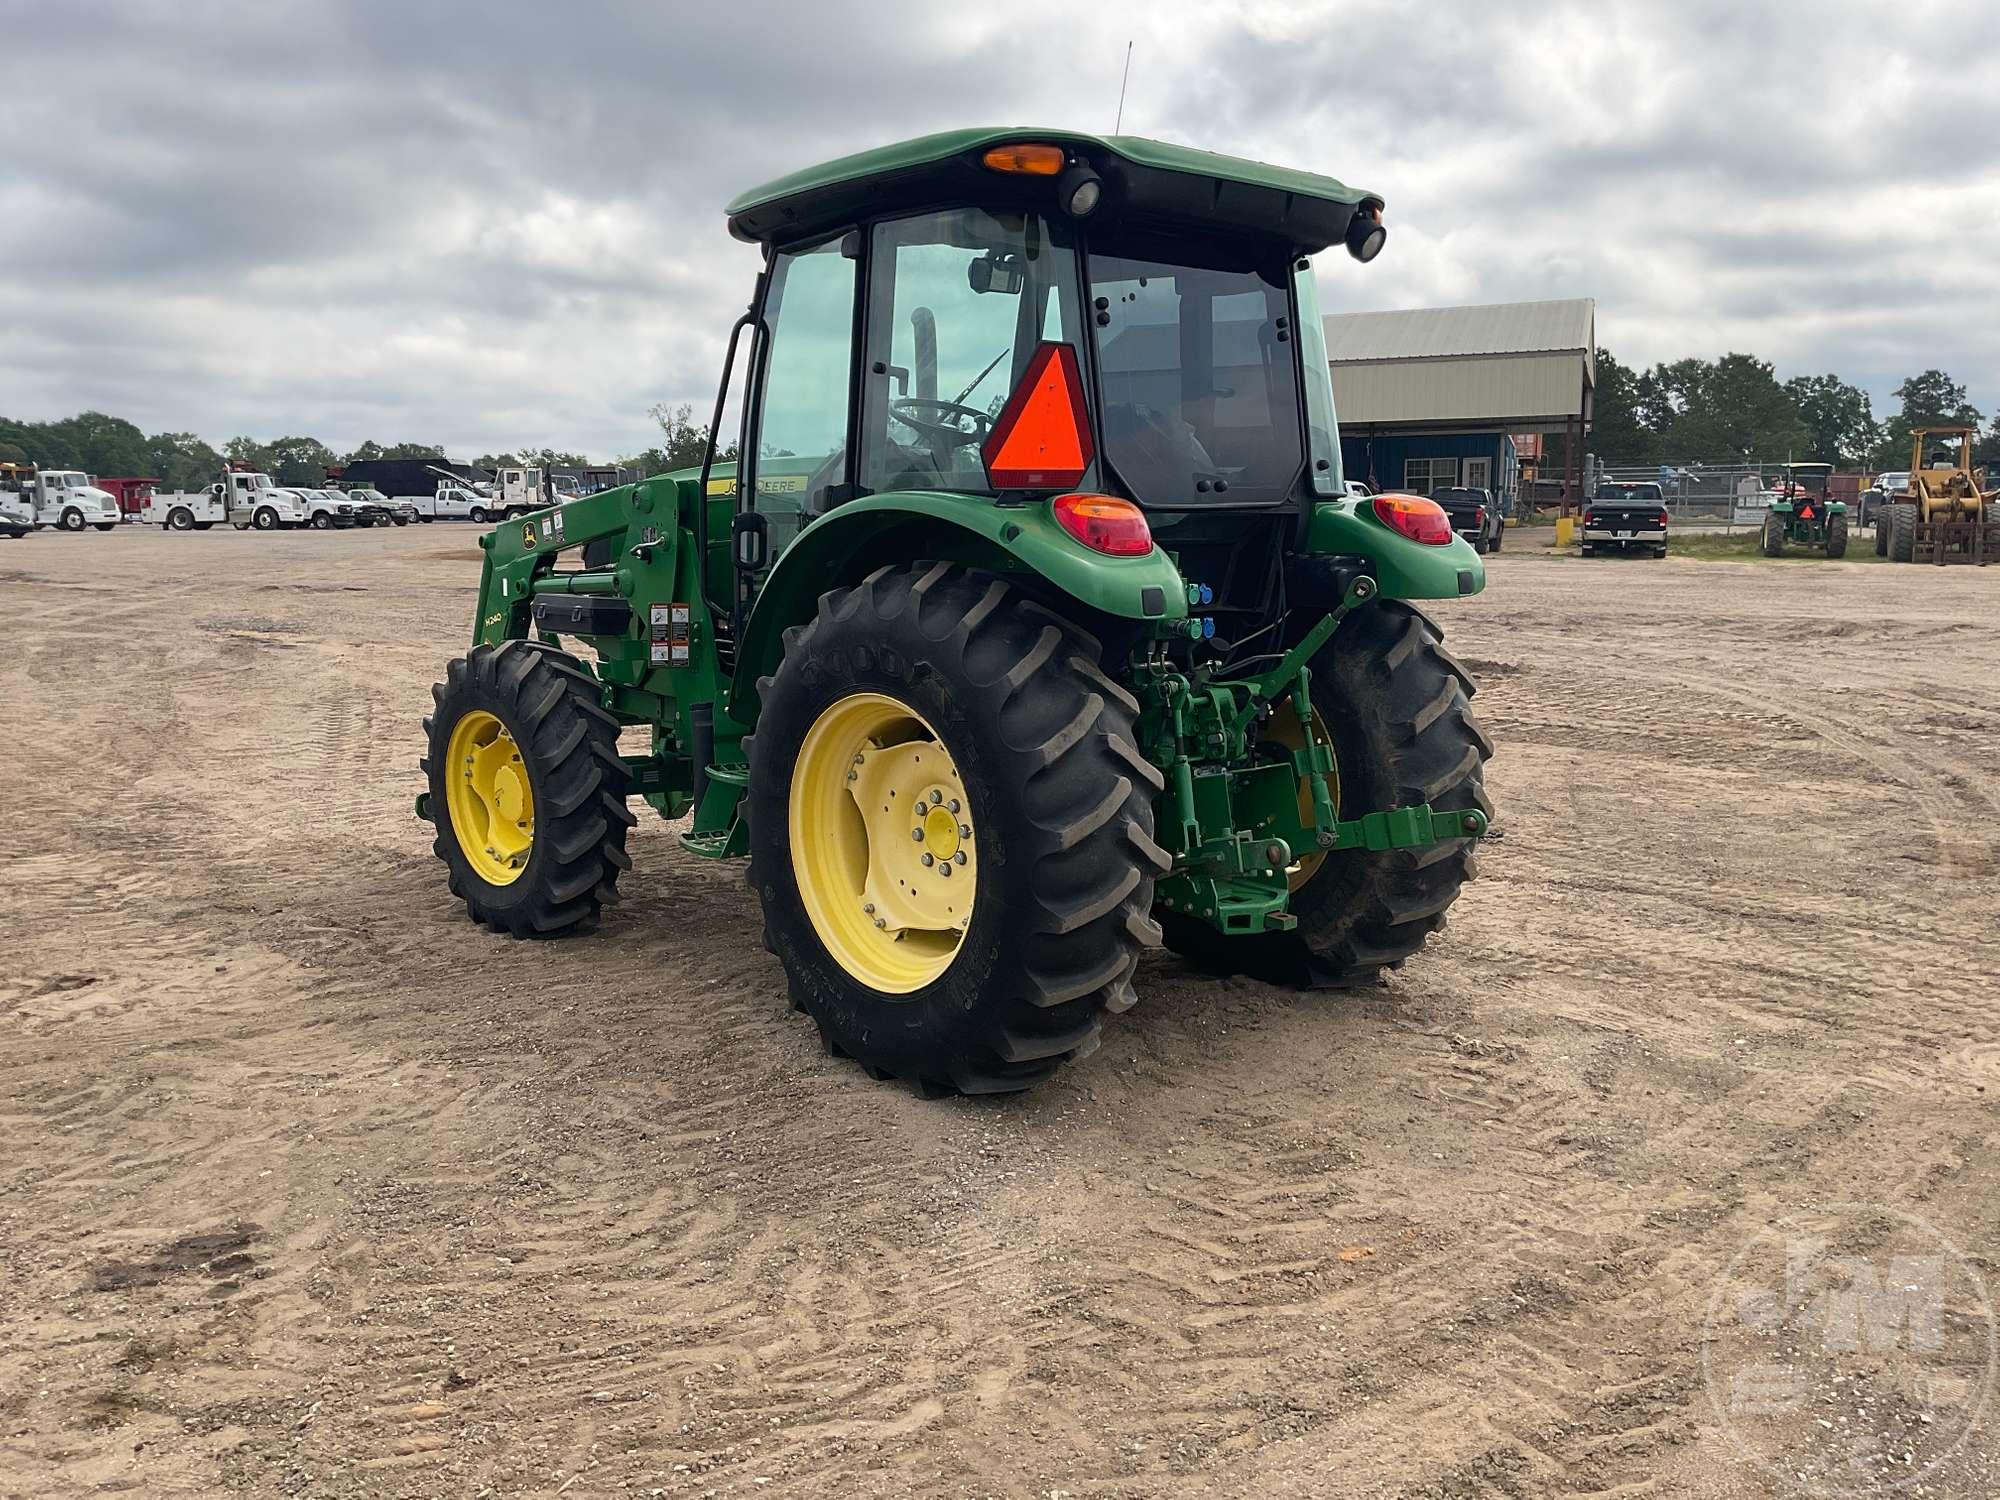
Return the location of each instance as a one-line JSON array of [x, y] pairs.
[[1033, 160], [1041, 439], [1105, 523], [1365, 234]]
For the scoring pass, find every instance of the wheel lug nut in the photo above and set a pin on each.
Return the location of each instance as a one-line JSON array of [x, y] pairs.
[[928, 861], [945, 868], [958, 858], [965, 830], [869, 907], [881, 924], [917, 834], [953, 804]]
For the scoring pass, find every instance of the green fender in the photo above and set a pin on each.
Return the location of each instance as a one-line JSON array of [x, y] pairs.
[[1404, 569], [849, 542]]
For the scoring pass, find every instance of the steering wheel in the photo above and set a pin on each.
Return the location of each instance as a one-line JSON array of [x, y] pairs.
[[953, 434]]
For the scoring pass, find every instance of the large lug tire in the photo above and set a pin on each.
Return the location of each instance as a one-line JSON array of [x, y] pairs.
[[1902, 532], [1836, 536], [1773, 542], [1881, 532], [72, 520], [266, 519], [547, 776], [1058, 801], [1398, 709]]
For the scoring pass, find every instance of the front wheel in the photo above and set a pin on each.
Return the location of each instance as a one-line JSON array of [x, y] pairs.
[[266, 519], [527, 790], [1773, 541], [402, 520], [951, 830], [322, 522], [477, 515], [1902, 532], [72, 520], [1836, 537], [1398, 710]]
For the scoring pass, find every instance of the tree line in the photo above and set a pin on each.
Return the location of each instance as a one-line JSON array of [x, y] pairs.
[[111, 446], [1721, 411]]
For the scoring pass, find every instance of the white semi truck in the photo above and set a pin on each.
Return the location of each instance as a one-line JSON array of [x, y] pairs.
[[64, 498]]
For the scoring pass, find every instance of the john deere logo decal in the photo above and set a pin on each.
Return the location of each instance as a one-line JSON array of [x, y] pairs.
[[527, 533]]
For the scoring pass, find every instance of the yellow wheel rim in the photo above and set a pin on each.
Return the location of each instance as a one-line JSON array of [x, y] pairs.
[[1283, 729], [883, 847], [491, 803]]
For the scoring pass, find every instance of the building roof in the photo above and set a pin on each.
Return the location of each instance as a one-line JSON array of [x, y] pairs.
[[1444, 332], [1504, 367]]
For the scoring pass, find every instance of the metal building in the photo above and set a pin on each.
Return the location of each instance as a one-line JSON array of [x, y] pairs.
[[1433, 396]]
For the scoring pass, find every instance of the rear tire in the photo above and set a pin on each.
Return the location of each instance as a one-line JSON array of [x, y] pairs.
[[567, 743], [1399, 711], [1902, 532], [1836, 536], [1773, 541], [1058, 796], [1881, 532]]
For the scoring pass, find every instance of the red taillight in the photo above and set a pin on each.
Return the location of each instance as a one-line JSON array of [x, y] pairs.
[[1663, 518], [1418, 519], [1478, 515], [1105, 523]]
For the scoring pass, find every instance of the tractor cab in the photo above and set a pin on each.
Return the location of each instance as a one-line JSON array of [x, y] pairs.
[[997, 317]]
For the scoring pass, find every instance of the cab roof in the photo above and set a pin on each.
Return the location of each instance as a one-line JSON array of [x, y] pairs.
[[1155, 181]]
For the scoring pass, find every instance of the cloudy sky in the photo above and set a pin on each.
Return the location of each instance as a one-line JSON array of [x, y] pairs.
[[499, 224]]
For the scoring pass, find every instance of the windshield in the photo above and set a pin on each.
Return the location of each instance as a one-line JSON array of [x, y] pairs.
[[1197, 373]]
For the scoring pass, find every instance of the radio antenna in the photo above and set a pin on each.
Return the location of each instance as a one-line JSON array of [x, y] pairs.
[[1123, 80]]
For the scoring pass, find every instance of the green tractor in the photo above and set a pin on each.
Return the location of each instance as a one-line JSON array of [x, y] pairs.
[[1805, 513], [1033, 628]]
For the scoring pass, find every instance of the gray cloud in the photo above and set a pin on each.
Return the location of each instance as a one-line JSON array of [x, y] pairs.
[[494, 225]]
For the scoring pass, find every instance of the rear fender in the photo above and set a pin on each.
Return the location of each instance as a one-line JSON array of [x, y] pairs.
[[845, 545], [1404, 569]]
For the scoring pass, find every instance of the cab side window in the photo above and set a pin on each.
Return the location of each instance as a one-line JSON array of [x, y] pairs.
[[809, 357]]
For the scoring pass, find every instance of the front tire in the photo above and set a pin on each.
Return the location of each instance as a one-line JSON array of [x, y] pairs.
[[1000, 705], [477, 515], [1398, 709], [1836, 537], [72, 520], [527, 790], [322, 522], [1902, 532], [266, 519]]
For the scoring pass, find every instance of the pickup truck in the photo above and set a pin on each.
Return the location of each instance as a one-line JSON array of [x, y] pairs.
[[1625, 518], [1475, 515]]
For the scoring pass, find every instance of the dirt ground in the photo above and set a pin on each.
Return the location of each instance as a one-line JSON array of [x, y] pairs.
[[309, 1187]]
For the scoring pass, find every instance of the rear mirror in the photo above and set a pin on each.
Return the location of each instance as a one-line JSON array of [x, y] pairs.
[[996, 273]]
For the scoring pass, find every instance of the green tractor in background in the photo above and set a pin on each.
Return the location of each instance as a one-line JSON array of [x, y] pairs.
[[1805, 513], [1034, 627]]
